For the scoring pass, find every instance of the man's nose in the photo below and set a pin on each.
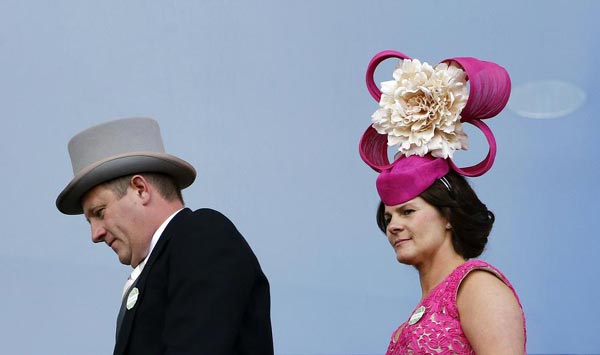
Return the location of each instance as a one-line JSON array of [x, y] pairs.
[[98, 233]]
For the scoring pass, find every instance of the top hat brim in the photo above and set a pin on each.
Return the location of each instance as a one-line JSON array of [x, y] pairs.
[[69, 200]]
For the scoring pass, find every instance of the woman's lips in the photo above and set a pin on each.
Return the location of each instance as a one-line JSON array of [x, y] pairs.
[[400, 241]]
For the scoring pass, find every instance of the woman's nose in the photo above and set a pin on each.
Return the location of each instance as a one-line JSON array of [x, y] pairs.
[[395, 226]]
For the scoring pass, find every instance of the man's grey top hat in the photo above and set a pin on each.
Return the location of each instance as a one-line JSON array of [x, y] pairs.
[[114, 149]]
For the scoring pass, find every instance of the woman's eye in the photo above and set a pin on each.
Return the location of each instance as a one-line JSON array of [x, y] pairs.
[[407, 212]]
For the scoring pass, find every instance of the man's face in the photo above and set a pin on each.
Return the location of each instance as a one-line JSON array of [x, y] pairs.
[[118, 222]]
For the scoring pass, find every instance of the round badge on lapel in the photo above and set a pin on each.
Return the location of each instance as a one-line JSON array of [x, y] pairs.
[[416, 316], [132, 298]]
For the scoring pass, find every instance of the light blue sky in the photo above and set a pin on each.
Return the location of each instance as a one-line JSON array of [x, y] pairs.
[[267, 100]]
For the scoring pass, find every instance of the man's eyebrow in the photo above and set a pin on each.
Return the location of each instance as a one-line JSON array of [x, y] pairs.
[[87, 213]]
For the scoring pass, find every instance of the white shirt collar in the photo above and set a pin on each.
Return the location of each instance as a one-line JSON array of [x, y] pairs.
[[155, 237]]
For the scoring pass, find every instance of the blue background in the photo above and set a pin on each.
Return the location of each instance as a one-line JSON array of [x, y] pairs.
[[267, 100]]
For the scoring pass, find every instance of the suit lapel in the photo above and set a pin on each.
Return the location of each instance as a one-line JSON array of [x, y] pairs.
[[126, 323]]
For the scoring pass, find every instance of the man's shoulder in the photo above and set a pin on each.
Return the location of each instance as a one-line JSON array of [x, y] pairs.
[[203, 216], [209, 213], [203, 225], [206, 231]]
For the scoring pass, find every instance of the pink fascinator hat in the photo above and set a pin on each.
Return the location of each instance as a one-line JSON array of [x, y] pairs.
[[421, 111]]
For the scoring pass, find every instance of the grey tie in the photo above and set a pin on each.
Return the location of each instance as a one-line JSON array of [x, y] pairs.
[[122, 310]]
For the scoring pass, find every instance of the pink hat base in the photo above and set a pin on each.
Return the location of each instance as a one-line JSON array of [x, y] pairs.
[[408, 177]]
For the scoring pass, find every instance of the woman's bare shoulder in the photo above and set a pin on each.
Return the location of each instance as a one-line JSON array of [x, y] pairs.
[[490, 314]]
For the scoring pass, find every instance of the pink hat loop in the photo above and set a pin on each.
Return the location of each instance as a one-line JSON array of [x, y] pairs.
[[378, 58], [489, 88], [373, 150], [486, 164], [373, 146]]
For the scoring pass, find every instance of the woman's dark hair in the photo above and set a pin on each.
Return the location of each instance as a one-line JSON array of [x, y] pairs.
[[470, 219]]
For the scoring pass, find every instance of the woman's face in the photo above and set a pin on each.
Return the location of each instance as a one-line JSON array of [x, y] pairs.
[[417, 231]]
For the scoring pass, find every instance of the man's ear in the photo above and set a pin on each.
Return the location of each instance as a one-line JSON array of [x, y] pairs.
[[141, 187]]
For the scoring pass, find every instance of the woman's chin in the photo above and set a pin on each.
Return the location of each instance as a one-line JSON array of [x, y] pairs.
[[405, 259]]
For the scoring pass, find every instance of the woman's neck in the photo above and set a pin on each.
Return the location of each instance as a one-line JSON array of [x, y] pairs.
[[436, 270]]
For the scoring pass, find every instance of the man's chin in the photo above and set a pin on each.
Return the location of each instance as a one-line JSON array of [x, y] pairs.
[[124, 260]]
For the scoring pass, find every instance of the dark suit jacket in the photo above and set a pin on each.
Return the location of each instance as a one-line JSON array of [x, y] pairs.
[[202, 291]]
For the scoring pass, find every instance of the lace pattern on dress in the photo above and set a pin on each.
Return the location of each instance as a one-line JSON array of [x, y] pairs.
[[439, 331]]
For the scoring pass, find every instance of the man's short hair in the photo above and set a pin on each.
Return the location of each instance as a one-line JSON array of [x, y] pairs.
[[164, 184]]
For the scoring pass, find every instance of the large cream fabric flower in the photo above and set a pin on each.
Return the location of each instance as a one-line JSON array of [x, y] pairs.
[[420, 109]]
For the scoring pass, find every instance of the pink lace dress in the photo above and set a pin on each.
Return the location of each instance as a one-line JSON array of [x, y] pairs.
[[434, 326]]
